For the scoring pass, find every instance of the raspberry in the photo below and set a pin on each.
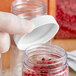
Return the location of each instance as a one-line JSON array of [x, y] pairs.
[[44, 69], [49, 59], [43, 59]]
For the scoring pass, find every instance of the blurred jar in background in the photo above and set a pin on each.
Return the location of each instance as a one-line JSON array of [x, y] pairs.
[[66, 18]]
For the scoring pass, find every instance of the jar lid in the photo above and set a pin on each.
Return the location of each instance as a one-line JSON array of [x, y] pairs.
[[45, 29]]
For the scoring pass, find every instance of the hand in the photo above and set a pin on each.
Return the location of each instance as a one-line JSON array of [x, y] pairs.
[[12, 24]]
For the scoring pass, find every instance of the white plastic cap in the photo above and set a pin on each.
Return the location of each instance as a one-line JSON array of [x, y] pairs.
[[46, 28]]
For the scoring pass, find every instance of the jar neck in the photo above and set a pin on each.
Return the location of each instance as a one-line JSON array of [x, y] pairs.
[[52, 57], [28, 9]]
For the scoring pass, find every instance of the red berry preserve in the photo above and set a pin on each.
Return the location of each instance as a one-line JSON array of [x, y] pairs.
[[66, 18], [45, 60]]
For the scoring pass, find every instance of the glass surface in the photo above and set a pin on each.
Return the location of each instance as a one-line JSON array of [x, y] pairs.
[[45, 60], [26, 9]]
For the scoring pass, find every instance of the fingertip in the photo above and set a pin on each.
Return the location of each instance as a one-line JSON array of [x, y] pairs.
[[27, 26], [30, 26], [4, 42]]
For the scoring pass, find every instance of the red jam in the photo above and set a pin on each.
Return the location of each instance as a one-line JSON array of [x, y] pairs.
[[66, 18], [43, 68]]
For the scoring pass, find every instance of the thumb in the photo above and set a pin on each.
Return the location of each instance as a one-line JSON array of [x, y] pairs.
[[12, 24]]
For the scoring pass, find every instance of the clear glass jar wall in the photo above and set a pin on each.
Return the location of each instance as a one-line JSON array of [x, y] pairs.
[[45, 60], [26, 9], [66, 18]]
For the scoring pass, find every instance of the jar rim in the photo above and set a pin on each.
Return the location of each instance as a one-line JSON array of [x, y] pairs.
[[59, 59], [42, 7]]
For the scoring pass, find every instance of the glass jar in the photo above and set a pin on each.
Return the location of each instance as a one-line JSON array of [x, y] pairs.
[[26, 9], [66, 18], [45, 60]]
